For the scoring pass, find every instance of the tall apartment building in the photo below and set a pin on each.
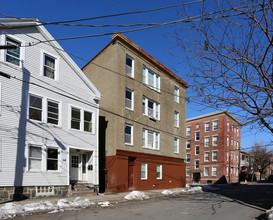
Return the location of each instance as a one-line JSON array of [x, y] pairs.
[[142, 119], [213, 148]]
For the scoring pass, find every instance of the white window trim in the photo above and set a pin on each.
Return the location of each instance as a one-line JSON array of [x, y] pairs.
[[146, 171], [227, 140], [154, 108], [160, 171], [213, 141], [195, 165], [132, 92], [196, 136], [147, 79], [22, 49], [42, 158], [205, 126], [154, 139], [42, 57], [207, 170], [54, 171], [177, 147], [176, 123], [176, 96], [205, 138], [212, 170], [213, 125], [132, 134], [82, 110], [133, 66], [205, 156], [188, 141], [212, 155], [187, 158], [187, 134], [195, 150], [188, 174], [44, 109]]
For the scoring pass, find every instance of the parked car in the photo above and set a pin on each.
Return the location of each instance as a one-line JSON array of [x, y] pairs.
[[270, 178]]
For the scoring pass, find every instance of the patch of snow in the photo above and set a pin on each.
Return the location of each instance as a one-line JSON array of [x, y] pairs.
[[104, 204], [136, 195], [269, 214], [185, 190], [10, 210]]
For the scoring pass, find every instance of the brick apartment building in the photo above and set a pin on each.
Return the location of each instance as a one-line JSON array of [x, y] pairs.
[[213, 148]]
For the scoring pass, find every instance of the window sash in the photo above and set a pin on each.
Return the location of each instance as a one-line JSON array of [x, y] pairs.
[[75, 118], [35, 158], [214, 155], [52, 112], [52, 159], [88, 124], [176, 119], [150, 139], [206, 171], [188, 158], [206, 141], [188, 146], [35, 107], [206, 156], [207, 126], [13, 55], [151, 79], [187, 171], [197, 150], [159, 171], [215, 125], [129, 66], [144, 171], [128, 134], [49, 66], [176, 94], [197, 136], [215, 140], [150, 108], [214, 171], [188, 130], [176, 146], [128, 99], [196, 164]]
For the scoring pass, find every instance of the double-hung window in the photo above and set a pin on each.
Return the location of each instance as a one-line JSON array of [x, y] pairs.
[[207, 126], [176, 119], [188, 131], [129, 66], [176, 94], [214, 171], [214, 155], [206, 141], [151, 79], [35, 157], [176, 145], [159, 171], [81, 120], [150, 139], [187, 171], [150, 108], [49, 66], [35, 107], [206, 171], [52, 112], [206, 156], [129, 99], [52, 159], [128, 134], [197, 135], [227, 140], [13, 55], [188, 158], [215, 125], [196, 164], [197, 150], [188, 145], [144, 171], [214, 140]]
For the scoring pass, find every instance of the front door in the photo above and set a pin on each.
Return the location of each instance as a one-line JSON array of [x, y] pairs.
[[75, 171]]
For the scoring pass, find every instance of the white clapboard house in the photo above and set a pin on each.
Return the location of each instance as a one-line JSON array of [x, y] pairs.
[[49, 115]]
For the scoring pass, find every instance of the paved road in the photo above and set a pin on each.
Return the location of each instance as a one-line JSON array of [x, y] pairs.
[[204, 205]]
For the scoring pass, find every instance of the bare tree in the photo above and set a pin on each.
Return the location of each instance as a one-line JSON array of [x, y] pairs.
[[228, 46], [260, 157]]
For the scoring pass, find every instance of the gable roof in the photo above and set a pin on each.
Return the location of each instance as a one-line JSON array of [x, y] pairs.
[[9, 23], [214, 114], [126, 41]]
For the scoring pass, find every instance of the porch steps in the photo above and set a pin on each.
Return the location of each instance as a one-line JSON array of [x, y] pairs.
[[80, 188]]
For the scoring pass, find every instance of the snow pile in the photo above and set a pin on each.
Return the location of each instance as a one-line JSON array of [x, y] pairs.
[[269, 214], [136, 195], [186, 190], [104, 204], [11, 210]]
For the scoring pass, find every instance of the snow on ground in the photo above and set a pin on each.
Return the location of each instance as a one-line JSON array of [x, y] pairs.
[[136, 195], [269, 214], [186, 190], [10, 210]]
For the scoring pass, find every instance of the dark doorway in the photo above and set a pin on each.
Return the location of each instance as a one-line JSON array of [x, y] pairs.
[[196, 177]]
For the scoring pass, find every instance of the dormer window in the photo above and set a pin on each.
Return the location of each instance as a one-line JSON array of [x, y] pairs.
[[49, 67]]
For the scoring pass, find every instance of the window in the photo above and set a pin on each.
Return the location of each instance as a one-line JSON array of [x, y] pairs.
[[237, 130], [176, 94], [206, 156], [75, 161], [13, 55], [128, 134], [215, 125], [35, 107], [176, 119], [197, 135], [150, 108], [196, 164], [214, 140], [188, 146], [206, 141], [129, 66], [144, 171], [188, 132], [214, 171], [52, 159], [129, 99], [231, 141], [159, 171], [49, 66], [151, 79], [187, 171], [176, 145], [237, 146], [35, 158], [75, 118], [214, 155], [81, 120], [52, 112], [227, 156], [188, 158], [207, 126], [227, 140], [150, 139], [227, 170], [206, 171], [197, 150], [227, 125]]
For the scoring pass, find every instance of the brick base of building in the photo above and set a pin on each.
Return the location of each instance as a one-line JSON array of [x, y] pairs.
[[11, 193]]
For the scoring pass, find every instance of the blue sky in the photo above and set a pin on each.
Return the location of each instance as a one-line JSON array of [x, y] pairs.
[[154, 41]]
